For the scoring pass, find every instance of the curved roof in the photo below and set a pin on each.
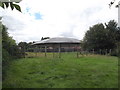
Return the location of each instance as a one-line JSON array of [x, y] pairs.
[[58, 40]]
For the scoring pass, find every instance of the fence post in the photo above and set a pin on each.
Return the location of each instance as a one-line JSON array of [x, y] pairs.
[[77, 52], [93, 51], [45, 51], [110, 51], [53, 52], [59, 50], [106, 51], [36, 50], [100, 51]]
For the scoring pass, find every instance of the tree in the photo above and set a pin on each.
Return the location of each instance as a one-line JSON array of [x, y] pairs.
[[113, 30], [114, 35], [10, 50], [101, 37], [42, 38], [24, 46], [45, 38], [9, 45], [95, 37]]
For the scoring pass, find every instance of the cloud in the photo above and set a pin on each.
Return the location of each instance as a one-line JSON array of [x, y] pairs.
[[53, 18]]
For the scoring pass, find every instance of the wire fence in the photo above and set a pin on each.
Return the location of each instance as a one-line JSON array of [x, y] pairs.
[[77, 52], [112, 52]]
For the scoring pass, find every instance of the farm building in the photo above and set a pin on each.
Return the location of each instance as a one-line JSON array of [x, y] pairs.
[[57, 44]]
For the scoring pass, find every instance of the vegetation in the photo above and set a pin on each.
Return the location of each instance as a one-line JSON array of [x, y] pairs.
[[24, 45], [12, 5], [92, 71], [102, 37], [10, 50], [112, 2], [43, 38]]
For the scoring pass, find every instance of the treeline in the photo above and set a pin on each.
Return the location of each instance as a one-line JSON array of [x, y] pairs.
[[26, 47], [102, 37]]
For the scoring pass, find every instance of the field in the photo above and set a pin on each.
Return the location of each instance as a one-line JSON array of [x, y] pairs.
[[92, 71]]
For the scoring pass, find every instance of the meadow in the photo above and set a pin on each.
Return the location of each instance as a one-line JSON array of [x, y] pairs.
[[91, 71]]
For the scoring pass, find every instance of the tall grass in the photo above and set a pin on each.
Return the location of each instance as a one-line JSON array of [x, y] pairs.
[[92, 71]]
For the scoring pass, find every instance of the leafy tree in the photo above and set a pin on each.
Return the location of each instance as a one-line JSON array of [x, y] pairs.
[[114, 34], [10, 49], [24, 46], [5, 54], [95, 37], [113, 30], [101, 37]]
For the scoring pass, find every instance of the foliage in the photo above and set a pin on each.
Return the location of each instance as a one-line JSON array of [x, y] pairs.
[[25, 47], [9, 44], [10, 4], [67, 72], [10, 50], [45, 38], [102, 37], [112, 2]]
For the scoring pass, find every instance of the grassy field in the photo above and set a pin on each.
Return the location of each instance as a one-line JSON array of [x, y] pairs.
[[92, 71]]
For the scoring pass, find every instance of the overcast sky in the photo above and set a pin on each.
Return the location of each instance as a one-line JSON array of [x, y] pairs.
[[54, 18]]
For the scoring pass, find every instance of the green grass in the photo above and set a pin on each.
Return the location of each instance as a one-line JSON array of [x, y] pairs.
[[92, 71]]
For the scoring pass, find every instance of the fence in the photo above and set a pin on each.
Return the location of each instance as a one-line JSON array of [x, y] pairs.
[[112, 52], [78, 52]]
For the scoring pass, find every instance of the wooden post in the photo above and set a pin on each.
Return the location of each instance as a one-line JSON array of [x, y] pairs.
[[110, 52], [93, 51], [36, 50], [100, 51], [59, 50], [45, 51], [39, 51], [106, 51], [77, 52], [53, 52]]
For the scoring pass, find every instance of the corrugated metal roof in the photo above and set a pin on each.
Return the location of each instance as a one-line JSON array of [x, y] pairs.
[[58, 40]]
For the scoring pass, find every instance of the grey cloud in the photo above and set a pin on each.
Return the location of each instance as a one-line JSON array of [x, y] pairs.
[[69, 33], [12, 23], [88, 12]]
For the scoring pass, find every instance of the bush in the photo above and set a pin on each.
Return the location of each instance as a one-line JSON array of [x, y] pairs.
[[6, 58]]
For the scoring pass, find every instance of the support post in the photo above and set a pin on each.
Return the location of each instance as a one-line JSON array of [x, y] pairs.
[[93, 51], [106, 51], [100, 51], [59, 50], [53, 52], [110, 51], [77, 52], [36, 50], [45, 51]]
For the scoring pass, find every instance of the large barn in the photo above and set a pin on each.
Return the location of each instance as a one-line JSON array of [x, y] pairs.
[[58, 44]]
